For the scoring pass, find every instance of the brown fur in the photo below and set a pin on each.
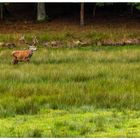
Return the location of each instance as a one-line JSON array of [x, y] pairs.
[[21, 56]]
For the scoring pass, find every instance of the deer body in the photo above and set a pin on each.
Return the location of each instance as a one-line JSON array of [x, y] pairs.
[[22, 55]]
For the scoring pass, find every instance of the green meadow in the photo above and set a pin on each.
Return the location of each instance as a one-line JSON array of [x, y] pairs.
[[91, 91]]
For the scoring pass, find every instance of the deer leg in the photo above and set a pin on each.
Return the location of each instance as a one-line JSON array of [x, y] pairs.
[[26, 60], [15, 61]]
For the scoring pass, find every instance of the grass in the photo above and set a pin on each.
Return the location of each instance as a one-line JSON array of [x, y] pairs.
[[79, 92], [106, 32], [60, 123]]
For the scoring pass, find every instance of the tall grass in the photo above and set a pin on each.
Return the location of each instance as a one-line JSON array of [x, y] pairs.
[[61, 78]]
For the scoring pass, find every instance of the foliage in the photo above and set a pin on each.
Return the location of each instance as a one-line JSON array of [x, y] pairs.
[[136, 5], [103, 4]]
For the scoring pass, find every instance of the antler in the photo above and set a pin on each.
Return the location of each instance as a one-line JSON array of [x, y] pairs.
[[22, 39], [34, 41]]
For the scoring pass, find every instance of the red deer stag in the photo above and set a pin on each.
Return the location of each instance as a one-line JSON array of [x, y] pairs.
[[23, 55]]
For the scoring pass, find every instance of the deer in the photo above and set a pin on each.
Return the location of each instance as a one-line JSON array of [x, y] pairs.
[[23, 55]]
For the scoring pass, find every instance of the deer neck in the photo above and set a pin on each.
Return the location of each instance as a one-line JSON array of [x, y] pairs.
[[30, 53]]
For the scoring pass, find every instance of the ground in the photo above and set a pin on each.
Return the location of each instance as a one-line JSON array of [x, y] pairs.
[[90, 91]]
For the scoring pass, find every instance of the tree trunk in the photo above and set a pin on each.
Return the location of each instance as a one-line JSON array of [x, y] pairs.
[[41, 12], [82, 15], [94, 10], [132, 10], [1, 11]]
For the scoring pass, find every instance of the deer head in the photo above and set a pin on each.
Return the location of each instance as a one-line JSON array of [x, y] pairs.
[[32, 48]]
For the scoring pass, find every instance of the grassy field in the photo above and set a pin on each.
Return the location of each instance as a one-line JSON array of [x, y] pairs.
[[79, 92]]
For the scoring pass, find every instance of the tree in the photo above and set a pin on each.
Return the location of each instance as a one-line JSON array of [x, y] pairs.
[[41, 12], [137, 6], [4, 12], [94, 10], [134, 5], [1, 11], [96, 5], [82, 14]]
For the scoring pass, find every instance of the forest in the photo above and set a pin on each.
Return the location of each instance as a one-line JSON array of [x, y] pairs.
[[46, 12]]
